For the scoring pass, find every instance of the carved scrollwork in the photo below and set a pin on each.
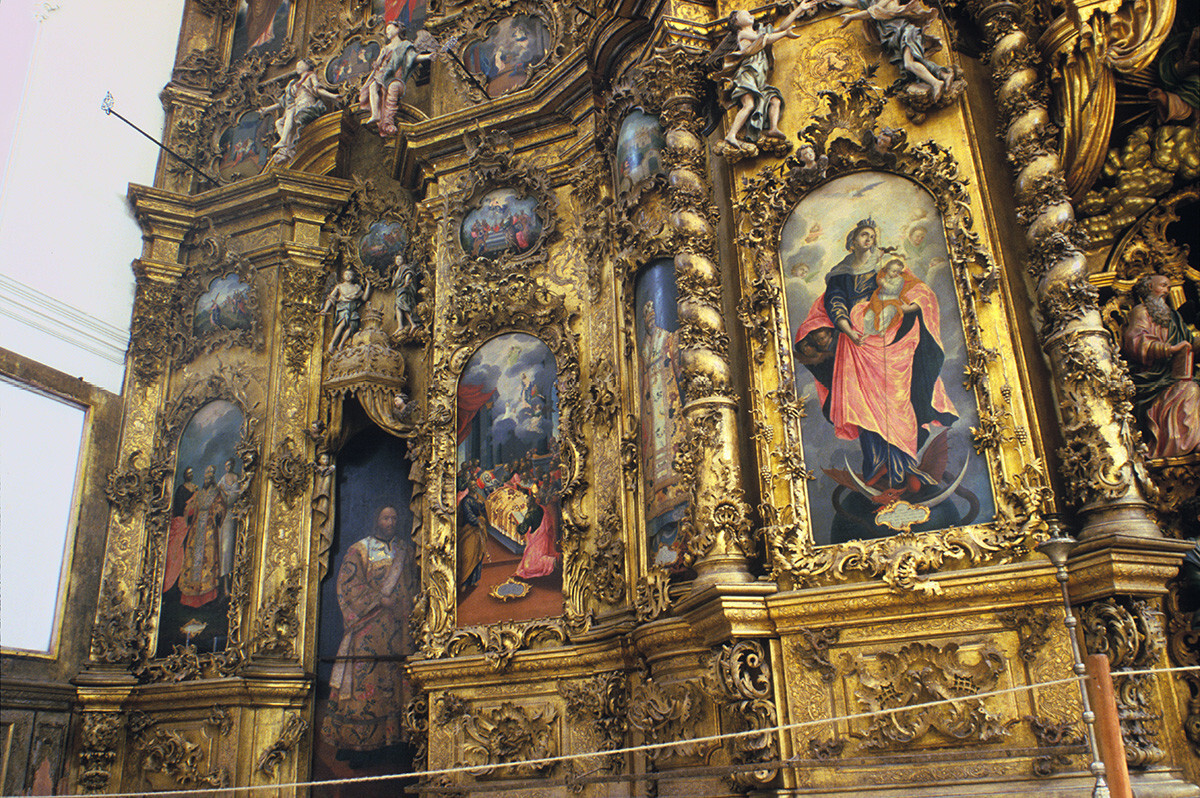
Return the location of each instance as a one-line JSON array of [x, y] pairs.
[[1131, 633], [1183, 642], [739, 680], [491, 166], [603, 404], [479, 309], [290, 734], [367, 206], [101, 733], [172, 754], [589, 240], [196, 133], [812, 649], [1055, 740], [510, 733], [301, 289], [132, 487], [221, 9], [414, 725], [602, 702], [651, 598], [113, 638], [500, 642], [196, 71], [1032, 628], [640, 91], [152, 327], [921, 673], [289, 470], [278, 623], [221, 719], [667, 714], [474, 22], [905, 560]]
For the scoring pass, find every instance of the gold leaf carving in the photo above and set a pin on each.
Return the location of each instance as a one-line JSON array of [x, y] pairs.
[[510, 733], [920, 673], [294, 728]]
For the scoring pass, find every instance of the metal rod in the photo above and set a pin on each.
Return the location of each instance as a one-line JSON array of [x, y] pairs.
[[107, 107], [1057, 550]]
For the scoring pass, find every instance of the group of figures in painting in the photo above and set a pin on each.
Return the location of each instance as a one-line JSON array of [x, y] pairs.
[[509, 483], [503, 224], [202, 531]]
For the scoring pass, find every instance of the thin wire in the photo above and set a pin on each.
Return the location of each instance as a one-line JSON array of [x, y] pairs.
[[550, 760]]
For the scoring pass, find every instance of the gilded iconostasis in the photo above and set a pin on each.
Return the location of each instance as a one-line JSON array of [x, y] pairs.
[[615, 399]]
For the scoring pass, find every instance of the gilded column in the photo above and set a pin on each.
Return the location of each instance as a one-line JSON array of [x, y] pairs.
[[1102, 470], [718, 525]]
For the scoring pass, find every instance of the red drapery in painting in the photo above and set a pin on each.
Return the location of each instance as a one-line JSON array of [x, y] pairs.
[[402, 10], [470, 399]]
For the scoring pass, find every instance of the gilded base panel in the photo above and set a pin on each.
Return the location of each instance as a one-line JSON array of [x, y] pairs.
[[860, 654]]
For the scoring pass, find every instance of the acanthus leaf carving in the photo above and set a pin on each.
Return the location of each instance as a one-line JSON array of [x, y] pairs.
[[812, 649], [602, 702], [921, 673], [1131, 633], [665, 715], [278, 622], [100, 736], [500, 642], [1057, 740], [289, 470], [292, 731], [172, 754], [739, 681], [510, 734]]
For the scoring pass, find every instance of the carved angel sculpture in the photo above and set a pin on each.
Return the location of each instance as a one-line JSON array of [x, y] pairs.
[[397, 62], [301, 103], [744, 56], [900, 29]]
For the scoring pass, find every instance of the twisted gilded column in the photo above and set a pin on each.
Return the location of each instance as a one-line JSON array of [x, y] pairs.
[[719, 523], [1102, 471]]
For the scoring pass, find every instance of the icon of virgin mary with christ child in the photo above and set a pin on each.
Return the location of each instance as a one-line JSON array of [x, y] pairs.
[[873, 343]]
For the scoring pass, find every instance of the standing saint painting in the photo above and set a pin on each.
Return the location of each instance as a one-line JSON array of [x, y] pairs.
[[368, 689], [875, 333], [661, 411], [364, 633]]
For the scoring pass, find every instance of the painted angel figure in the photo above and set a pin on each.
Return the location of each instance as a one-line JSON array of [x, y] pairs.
[[900, 29], [745, 58], [301, 103]]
